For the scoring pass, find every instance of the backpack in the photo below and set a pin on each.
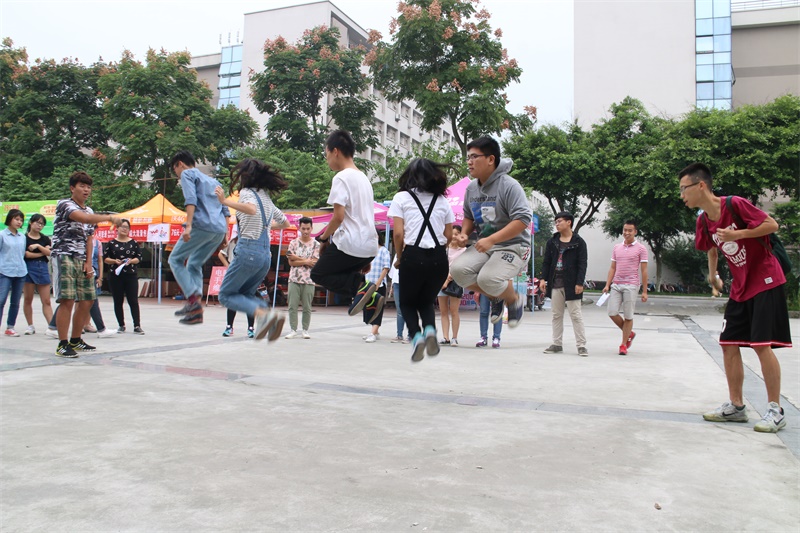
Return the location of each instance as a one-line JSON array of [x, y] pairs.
[[775, 246]]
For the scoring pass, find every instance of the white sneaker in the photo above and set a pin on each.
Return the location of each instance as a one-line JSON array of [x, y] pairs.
[[51, 333], [305, 334], [772, 421], [453, 342], [107, 333], [371, 338], [30, 331], [292, 335], [11, 332]]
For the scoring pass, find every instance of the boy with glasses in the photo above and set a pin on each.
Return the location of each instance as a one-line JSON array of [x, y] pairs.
[[495, 205]]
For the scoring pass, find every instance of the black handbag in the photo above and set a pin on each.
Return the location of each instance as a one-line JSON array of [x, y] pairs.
[[453, 289]]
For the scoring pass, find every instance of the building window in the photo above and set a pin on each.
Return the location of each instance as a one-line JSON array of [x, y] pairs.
[[230, 76], [714, 72]]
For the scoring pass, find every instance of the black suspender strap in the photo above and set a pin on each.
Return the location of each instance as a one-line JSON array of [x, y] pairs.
[[427, 219]]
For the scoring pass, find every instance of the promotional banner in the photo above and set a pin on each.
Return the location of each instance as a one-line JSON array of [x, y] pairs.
[[43, 207], [158, 233], [215, 281]]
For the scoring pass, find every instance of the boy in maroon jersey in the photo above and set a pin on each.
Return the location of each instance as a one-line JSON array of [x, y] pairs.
[[756, 315]]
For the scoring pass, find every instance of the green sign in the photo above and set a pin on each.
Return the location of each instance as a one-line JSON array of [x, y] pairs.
[[43, 207]]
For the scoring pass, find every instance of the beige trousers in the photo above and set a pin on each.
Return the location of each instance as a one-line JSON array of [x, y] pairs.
[[558, 299]]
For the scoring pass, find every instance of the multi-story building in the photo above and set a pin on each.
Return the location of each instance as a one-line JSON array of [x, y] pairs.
[[675, 55], [226, 73]]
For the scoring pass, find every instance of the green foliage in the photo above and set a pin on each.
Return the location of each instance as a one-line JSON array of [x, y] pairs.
[[540, 238], [690, 264], [788, 217], [309, 178], [295, 83], [752, 150], [50, 116], [386, 177], [445, 57], [157, 108]]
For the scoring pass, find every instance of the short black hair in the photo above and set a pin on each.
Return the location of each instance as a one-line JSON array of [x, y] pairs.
[[381, 238], [36, 217], [487, 146], [566, 215], [184, 156], [125, 221], [631, 223], [456, 226], [426, 176], [343, 141], [12, 214], [304, 220], [79, 177], [697, 172]]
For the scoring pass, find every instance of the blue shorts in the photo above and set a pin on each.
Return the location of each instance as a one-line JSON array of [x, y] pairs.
[[38, 273]]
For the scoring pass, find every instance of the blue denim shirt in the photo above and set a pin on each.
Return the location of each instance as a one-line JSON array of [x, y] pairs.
[[198, 190], [12, 254]]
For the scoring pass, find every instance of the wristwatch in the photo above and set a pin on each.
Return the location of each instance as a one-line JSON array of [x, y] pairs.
[[319, 238]]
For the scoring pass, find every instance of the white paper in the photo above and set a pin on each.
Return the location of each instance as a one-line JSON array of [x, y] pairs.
[[602, 299], [119, 268]]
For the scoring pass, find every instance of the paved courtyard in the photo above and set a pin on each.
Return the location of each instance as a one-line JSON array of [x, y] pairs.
[[183, 430]]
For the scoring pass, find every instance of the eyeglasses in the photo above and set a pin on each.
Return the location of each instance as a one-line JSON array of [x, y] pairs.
[[473, 157], [684, 187]]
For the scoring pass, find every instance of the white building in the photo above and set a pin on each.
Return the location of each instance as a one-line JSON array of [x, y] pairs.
[[674, 55], [397, 124]]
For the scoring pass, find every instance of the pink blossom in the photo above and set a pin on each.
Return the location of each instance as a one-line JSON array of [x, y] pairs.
[[374, 36], [498, 33], [392, 26], [462, 66], [315, 72], [435, 10], [531, 111], [370, 58], [433, 86], [448, 32]]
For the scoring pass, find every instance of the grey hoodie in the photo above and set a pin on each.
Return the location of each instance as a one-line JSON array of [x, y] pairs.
[[499, 201]]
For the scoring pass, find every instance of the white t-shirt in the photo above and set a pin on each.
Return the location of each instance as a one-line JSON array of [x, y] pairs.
[[403, 206], [356, 235]]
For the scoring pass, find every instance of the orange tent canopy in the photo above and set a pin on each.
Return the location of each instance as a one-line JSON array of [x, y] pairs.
[[157, 210]]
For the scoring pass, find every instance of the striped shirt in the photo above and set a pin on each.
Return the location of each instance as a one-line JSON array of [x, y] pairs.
[[251, 226], [627, 258]]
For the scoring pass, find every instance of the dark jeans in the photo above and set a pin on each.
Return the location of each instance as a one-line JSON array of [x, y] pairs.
[[339, 272], [423, 272], [94, 312], [122, 287]]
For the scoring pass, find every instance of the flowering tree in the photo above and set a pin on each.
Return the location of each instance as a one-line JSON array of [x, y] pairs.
[[299, 78], [445, 57]]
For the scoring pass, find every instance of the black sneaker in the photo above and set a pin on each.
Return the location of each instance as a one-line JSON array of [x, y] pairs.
[[81, 346], [374, 308], [497, 311], [515, 312], [192, 318], [189, 308], [65, 350], [362, 297]]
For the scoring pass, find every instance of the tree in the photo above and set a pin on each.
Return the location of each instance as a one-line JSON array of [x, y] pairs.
[[445, 57], [50, 117], [752, 150], [153, 110], [386, 177], [309, 177], [298, 78]]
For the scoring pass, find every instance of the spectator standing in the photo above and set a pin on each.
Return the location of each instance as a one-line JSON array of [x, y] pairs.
[[205, 228], [302, 254], [485, 304], [394, 275], [349, 242], [423, 226], [123, 251], [449, 306], [756, 315], [37, 257], [12, 268], [379, 270], [563, 274], [623, 282]]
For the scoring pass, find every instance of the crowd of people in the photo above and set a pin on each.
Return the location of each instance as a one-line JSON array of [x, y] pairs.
[[433, 261]]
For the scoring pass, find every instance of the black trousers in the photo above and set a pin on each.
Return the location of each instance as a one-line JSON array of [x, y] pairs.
[[339, 272], [423, 271], [122, 287], [232, 316]]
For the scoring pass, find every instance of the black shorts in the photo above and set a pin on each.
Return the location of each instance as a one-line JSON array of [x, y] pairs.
[[762, 320]]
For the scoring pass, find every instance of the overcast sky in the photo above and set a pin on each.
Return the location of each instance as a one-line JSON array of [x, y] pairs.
[[538, 33]]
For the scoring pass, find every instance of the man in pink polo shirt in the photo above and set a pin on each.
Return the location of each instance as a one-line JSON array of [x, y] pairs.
[[623, 282]]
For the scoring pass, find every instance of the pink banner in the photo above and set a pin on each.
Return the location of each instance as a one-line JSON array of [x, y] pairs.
[[215, 281]]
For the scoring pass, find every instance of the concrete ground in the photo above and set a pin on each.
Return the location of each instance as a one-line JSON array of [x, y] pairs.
[[182, 430]]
